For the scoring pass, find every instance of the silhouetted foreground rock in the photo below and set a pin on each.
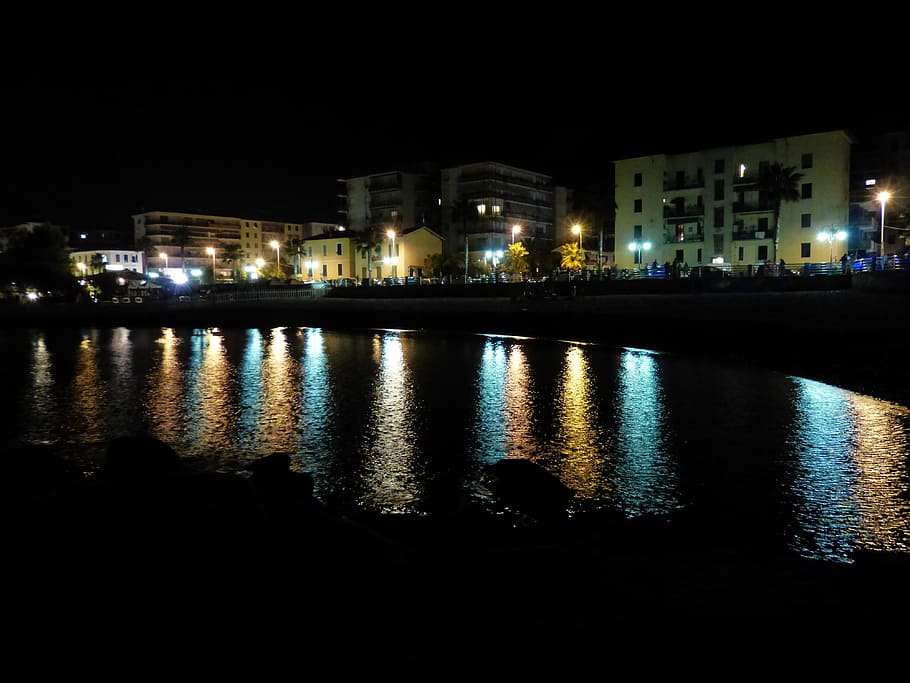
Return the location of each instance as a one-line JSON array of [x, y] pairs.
[[152, 569]]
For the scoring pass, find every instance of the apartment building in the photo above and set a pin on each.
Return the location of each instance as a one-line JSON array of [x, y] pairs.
[[392, 200], [486, 203], [707, 207], [180, 242]]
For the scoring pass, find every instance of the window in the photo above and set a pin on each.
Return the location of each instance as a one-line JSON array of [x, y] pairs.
[[763, 252], [805, 249], [637, 206], [807, 191], [718, 216], [325, 269], [805, 220], [338, 249], [340, 270], [740, 254], [636, 233], [698, 255], [309, 252], [763, 225], [117, 258], [807, 160], [718, 190], [637, 180], [762, 167], [325, 250], [679, 255], [718, 165], [718, 244], [680, 178], [700, 175], [497, 209]]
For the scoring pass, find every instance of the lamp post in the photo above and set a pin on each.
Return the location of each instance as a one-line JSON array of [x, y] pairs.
[[576, 230], [274, 245], [260, 264], [393, 259], [639, 247], [162, 255], [883, 197], [830, 236], [515, 229], [211, 252]]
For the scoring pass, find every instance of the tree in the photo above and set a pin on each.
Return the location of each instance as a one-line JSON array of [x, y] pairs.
[[443, 265], [233, 253], [516, 259], [572, 258], [368, 243], [294, 245], [38, 257], [96, 264], [181, 239], [780, 184]]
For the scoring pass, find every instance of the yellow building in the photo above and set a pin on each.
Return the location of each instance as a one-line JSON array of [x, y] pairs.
[[336, 254], [707, 207]]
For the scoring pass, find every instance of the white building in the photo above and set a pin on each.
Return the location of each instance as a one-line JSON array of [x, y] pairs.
[[93, 261]]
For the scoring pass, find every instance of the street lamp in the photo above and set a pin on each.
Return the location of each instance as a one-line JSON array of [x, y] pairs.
[[638, 247], [211, 252], [515, 229], [883, 197], [274, 245], [260, 264], [81, 266], [830, 236], [576, 230], [162, 255]]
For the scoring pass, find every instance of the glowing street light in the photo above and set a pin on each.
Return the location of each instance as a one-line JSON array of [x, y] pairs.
[[830, 236], [883, 197], [211, 252], [576, 230], [162, 255], [260, 263], [274, 245], [639, 247], [515, 229]]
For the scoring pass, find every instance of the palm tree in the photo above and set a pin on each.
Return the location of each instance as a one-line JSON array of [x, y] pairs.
[[780, 184], [181, 239], [232, 254], [572, 258], [294, 245], [516, 259], [367, 242]]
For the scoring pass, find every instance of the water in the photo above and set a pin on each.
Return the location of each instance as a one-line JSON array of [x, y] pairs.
[[395, 421]]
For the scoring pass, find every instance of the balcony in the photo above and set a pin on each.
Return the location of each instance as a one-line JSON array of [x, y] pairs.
[[751, 234], [753, 207], [687, 183], [678, 234], [676, 212], [748, 180]]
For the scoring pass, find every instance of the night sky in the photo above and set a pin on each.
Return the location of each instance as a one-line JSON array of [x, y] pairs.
[[264, 124]]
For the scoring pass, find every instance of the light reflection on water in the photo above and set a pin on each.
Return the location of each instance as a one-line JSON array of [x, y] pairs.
[[389, 419]]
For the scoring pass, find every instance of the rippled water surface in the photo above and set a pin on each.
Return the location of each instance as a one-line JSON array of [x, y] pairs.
[[396, 420]]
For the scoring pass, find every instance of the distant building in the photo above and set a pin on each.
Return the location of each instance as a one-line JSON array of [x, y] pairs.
[[880, 162], [392, 200], [706, 206], [94, 261], [482, 203], [181, 241]]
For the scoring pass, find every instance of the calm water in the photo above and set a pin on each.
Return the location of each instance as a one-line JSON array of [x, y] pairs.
[[395, 420]]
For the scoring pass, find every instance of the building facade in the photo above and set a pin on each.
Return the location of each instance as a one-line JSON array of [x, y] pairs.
[[180, 242], [394, 200], [707, 207], [486, 203]]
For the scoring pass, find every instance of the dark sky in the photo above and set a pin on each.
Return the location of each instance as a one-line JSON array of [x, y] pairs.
[[263, 124]]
